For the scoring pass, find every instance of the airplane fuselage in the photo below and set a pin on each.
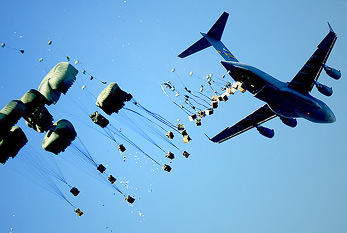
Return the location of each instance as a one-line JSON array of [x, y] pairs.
[[281, 99]]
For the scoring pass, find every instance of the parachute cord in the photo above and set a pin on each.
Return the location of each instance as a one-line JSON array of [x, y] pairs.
[[175, 102], [204, 95], [116, 188], [110, 135], [35, 161], [213, 89], [200, 99], [85, 153], [91, 94], [142, 133], [157, 116], [128, 109], [120, 134], [166, 139]]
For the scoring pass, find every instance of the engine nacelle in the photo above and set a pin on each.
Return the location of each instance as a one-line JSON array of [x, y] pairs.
[[325, 90], [334, 73], [269, 133], [291, 122]]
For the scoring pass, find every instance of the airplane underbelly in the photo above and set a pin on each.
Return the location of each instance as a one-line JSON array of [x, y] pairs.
[[284, 104]]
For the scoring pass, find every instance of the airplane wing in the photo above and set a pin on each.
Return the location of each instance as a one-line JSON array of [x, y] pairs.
[[260, 116], [303, 81]]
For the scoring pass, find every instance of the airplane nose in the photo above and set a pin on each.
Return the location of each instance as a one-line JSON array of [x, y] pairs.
[[332, 117]]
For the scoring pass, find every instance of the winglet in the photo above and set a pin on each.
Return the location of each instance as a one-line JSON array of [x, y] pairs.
[[330, 28], [208, 137]]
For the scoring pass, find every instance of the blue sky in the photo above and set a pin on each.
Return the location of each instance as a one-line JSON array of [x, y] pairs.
[[295, 182]]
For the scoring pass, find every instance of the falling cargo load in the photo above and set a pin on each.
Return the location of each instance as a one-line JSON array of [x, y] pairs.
[[201, 114], [130, 199], [59, 137], [74, 191], [224, 97], [208, 112], [112, 99], [170, 135], [111, 179], [99, 119], [78, 212], [166, 168], [241, 86], [10, 115], [180, 126], [192, 117], [12, 143], [121, 148], [184, 132], [185, 154], [57, 81], [186, 138], [101, 168], [214, 104], [170, 155]]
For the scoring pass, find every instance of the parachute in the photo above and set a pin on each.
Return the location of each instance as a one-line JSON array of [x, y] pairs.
[[12, 143], [10, 115], [112, 99], [57, 81], [59, 137], [36, 115]]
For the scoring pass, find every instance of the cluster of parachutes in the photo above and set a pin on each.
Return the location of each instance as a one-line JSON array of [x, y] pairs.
[[202, 102], [61, 134]]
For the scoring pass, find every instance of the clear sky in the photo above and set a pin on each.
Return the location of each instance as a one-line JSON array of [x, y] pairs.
[[295, 182]]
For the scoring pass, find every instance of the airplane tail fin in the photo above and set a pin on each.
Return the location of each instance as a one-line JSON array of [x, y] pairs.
[[213, 37], [217, 29]]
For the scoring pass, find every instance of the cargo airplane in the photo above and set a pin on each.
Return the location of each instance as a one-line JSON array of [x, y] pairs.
[[286, 100]]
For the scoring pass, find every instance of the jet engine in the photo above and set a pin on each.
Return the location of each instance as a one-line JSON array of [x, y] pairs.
[[291, 122], [325, 90], [334, 73], [269, 133]]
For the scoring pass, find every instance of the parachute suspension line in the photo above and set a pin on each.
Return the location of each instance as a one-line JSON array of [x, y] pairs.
[[3, 45], [186, 111], [214, 90], [135, 127], [204, 95], [200, 99], [157, 116], [34, 160], [159, 134], [121, 135], [85, 152], [91, 77], [110, 135], [91, 94], [50, 43], [130, 110], [80, 105], [75, 61]]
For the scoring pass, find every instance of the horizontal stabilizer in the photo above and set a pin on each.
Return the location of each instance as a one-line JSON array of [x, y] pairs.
[[199, 45]]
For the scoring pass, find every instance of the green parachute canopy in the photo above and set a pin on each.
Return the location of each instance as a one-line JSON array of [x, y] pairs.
[[10, 115], [59, 137], [36, 115], [112, 99], [57, 81], [12, 143]]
